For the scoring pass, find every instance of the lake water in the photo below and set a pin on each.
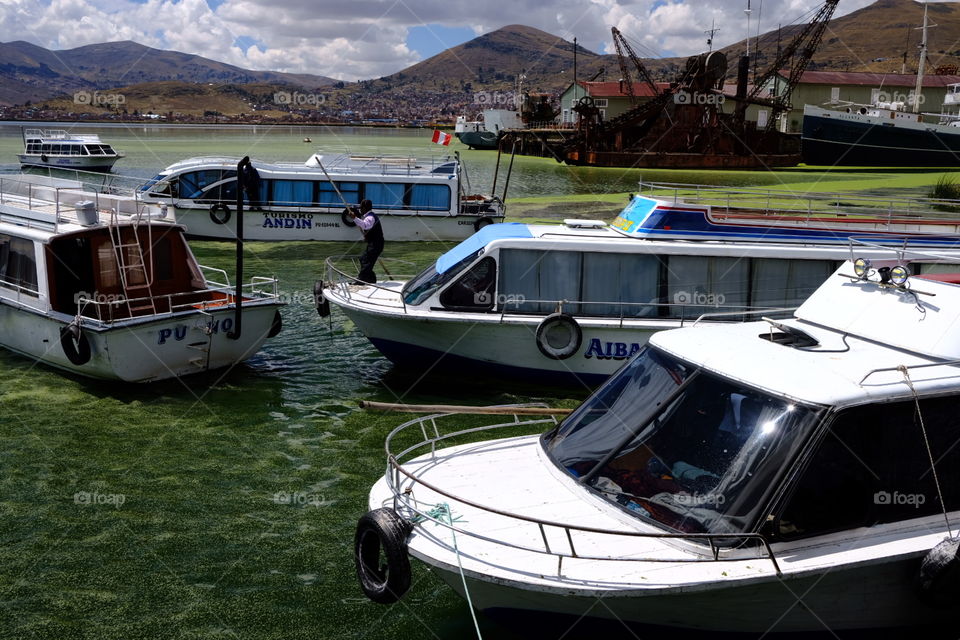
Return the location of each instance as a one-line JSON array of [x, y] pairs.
[[224, 505]]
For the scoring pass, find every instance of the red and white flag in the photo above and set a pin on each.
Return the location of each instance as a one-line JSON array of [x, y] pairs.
[[439, 137]]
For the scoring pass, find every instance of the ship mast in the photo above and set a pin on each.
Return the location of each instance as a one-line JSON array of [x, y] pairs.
[[923, 60]]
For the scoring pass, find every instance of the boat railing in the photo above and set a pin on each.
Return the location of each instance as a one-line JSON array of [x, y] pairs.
[[341, 278], [809, 207], [716, 547], [341, 164], [684, 312], [108, 309]]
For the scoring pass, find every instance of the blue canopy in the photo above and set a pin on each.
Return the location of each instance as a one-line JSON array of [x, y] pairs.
[[481, 239]]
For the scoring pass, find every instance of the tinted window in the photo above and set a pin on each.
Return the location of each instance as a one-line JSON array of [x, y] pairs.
[[872, 467], [18, 267], [474, 290]]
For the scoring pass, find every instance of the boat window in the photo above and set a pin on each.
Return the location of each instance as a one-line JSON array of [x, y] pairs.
[[292, 193], [193, 183], [872, 467], [699, 284], [427, 283], [615, 285], [18, 265], [474, 290], [786, 283], [430, 197], [535, 281], [685, 448], [385, 195]]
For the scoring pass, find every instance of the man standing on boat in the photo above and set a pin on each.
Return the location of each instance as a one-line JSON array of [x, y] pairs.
[[369, 224]]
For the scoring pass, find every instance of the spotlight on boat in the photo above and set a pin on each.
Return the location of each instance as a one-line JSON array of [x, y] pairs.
[[884, 275], [899, 275], [861, 267]]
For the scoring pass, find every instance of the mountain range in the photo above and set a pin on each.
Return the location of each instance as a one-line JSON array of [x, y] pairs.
[[881, 37]]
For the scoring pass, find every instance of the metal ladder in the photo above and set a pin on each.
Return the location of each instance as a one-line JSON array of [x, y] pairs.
[[130, 257]]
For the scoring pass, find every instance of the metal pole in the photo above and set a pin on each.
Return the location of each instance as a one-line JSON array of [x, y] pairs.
[[234, 334]]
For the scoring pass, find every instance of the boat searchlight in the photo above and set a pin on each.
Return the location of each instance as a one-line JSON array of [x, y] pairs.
[[896, 276]]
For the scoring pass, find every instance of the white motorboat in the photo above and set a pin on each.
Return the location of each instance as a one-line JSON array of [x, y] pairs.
[[793, 476], [571, 303], [59, 149], [107, 287], [415, 199]]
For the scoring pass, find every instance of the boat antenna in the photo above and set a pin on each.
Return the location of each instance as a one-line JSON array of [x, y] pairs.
[[917, 95], [711, 32]]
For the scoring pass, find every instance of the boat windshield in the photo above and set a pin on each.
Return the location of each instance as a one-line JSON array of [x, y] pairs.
[[425, 284], [682, 447]]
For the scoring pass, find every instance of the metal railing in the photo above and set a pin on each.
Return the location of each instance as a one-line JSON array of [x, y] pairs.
[[716, 543], [107, 310], [810, 207]]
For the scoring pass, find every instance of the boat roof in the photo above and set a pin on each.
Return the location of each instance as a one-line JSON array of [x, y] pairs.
[[61, 135], [594, 235], [339, 164], [865, 332]]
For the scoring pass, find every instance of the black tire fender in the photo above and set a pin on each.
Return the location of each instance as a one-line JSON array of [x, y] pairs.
[[939, 585], [559, 336], [43, 157], [214, 211], [346, 219], [382, 533], [481, 223], [276, 325], [75, 344], [322, 304]]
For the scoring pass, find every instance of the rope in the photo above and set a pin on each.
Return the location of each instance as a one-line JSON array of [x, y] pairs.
[[444, 509], [933, 466]]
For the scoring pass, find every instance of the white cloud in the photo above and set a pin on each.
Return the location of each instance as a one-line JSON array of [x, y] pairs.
[[359, 39]]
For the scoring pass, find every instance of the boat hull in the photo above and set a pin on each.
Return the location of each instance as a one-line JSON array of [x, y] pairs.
[[142, 351], [85, 163], [852, 139], [879, 596], [327, 226], [478, 139], [487, 345]]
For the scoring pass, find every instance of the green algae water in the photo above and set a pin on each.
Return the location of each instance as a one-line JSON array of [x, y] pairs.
[[224, 505]]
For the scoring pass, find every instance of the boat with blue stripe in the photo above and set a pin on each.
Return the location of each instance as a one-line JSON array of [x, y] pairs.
[[695, 212]]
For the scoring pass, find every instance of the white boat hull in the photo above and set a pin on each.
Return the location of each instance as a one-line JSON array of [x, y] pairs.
[[323, 226], [165, 347], [87, 163], [495, 345]]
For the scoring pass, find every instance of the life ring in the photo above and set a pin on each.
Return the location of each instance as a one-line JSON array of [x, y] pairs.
[[559, 336], [940, 575], [346, 219], [481, 223], [220, 219], [75, 344], [322, 304], [382, 533], [276, 326]]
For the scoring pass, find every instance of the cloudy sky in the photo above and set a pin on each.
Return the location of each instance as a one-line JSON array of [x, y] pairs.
[[359, 39]]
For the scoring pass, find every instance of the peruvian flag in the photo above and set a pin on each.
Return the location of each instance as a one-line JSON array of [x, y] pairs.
[[439, 137]]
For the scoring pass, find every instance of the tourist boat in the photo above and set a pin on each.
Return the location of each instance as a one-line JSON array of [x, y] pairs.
[[794, 476], [59, 149], [415, 199], [887, 133], [107, 287], [571, 303]]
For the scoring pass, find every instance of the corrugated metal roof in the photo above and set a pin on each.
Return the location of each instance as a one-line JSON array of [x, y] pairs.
[[909, 80]]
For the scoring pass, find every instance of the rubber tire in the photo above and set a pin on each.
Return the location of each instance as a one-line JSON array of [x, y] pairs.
[[322, 304], [382, 529], [481, 223], [939, 585], [44, 157], [549, 323], [346, 219], [276, 325], [77, 349], [220, 207]]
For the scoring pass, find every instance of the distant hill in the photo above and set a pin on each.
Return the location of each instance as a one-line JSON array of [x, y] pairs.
[[29, 72]]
